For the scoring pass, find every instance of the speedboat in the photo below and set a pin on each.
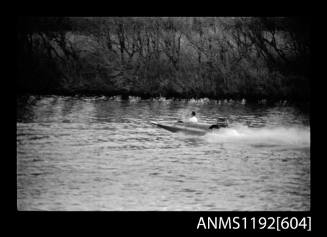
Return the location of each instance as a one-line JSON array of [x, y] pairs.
[[192, 128]]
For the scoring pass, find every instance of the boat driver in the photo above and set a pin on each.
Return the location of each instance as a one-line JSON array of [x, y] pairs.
[[193, 119]]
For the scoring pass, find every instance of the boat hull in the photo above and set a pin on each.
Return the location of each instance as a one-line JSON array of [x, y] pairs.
[[190, 128]]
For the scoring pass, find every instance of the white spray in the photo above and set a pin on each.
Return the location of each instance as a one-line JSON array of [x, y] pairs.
[[298, 136]]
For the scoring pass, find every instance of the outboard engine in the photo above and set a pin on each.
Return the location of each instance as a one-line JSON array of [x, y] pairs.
[[222, 122]]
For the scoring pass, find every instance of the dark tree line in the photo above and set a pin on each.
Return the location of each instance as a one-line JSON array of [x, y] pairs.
[[169, 56]]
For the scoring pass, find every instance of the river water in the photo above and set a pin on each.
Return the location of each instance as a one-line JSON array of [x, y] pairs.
[[101, 153]]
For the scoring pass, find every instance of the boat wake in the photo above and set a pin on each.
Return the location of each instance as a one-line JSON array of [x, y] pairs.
[[297, 136]]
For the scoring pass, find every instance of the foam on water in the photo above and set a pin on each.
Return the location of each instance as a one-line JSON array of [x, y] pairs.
[[297, 136]]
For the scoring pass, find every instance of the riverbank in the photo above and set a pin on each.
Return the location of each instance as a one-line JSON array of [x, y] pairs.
[[215, 58], [134, 97]]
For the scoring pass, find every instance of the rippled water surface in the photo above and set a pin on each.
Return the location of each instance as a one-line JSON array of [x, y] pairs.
[[99, 153]]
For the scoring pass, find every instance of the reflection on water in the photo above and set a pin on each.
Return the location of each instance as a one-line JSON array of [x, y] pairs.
[[96, 153]]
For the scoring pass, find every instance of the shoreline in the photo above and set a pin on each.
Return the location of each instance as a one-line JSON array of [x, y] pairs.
[[267, 100]]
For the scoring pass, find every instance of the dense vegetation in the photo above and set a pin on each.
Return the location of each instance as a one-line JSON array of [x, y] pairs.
[[243, 57]]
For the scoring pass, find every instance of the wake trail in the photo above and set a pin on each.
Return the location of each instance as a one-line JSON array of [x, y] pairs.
[[296, 135]]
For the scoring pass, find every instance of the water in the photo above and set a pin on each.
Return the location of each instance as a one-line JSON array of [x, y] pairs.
[[100, 153]]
